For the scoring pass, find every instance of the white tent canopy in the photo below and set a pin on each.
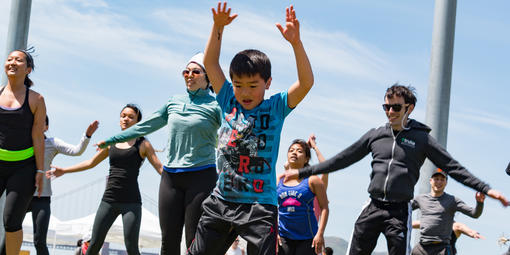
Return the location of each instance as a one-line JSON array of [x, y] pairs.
[[68, 232]]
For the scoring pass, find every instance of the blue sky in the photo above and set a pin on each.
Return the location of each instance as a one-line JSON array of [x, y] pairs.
[[94, 56]]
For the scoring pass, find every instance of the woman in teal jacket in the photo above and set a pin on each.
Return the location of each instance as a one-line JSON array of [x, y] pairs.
[[189, 175]]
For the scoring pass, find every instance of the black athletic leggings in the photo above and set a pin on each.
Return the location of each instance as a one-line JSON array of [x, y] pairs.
[[180, 204], [18, 178], [106, 215], [40, 208], [295, 247]]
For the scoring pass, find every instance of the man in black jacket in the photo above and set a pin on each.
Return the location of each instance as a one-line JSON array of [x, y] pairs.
[[398, 149]]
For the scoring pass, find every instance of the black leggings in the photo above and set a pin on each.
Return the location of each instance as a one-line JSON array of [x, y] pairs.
[[180, 203], [40, 208], [106, 215], [19, 180], [295, 247]]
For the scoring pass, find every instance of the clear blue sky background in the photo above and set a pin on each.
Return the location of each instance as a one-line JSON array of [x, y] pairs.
[[94, 56]]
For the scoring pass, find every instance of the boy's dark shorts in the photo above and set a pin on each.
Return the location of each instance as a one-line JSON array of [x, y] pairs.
[[222, 221]]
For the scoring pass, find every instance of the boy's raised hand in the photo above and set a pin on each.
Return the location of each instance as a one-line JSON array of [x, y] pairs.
[[222, 16], [291, 30]]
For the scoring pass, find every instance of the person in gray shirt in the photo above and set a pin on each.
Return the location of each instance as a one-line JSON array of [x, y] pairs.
[[437, 211]]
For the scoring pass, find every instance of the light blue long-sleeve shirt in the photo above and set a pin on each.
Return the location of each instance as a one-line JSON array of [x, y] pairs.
[[192, 119]]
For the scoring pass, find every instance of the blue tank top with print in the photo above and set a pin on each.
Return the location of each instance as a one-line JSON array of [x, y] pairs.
[[296, 218]]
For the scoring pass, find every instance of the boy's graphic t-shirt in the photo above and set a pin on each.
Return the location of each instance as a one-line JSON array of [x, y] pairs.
[[248, 143]]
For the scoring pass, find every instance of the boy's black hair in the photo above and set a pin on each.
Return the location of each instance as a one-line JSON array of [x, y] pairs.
[[251, 62], [407, 92]]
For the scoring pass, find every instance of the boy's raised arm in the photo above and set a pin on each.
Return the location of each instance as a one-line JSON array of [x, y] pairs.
[[300, 88], [221, 17]]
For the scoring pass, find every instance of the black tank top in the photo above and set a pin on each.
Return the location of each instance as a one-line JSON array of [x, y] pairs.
[[16, 126], [122, 185]]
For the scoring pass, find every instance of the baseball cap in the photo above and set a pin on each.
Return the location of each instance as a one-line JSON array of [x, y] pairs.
[[439, 171], [86, 237]]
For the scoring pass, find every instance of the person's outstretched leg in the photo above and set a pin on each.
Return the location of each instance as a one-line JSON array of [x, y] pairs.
[[366, 231], [200, 185], [41, 211], [214, 231], [171, 213], [131, 218], [105, 216], [20, 186], [398, 229]]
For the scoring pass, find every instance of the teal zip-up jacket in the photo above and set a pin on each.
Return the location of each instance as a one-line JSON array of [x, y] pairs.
[[193, 121]]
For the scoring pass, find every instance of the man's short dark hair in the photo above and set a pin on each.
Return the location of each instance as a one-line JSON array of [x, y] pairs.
[[328, 251], [407, 92], [251, 62]]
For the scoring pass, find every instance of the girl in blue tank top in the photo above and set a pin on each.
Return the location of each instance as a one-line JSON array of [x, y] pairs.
[[299, 232]]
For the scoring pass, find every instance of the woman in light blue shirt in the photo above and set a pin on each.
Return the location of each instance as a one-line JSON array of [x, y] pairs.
[[189, 175]]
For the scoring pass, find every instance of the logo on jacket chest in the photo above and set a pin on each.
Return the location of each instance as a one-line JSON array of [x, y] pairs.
[[408, 143]]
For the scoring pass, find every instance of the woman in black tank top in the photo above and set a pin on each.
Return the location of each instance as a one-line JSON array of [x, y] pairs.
[[122, 194], [22, 119]]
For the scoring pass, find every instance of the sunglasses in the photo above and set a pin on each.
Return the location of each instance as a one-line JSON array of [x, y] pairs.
[[396, 107], [188, 72]]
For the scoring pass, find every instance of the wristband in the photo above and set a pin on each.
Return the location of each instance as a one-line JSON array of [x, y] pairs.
[[40, 171], [88, 136]]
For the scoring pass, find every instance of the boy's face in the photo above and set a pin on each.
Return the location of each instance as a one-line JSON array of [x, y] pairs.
[[249, 90]]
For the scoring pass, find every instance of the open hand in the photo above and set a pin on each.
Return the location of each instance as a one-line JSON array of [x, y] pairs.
[[222, 16], [497, 195], [100, 145], [92, 128], [55, 172], [291, 174], [291, 30], [311, 141], [318, 243]]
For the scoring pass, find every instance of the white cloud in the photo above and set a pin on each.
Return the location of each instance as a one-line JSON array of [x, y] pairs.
[[334, 52], [107, 37], [482, 119]]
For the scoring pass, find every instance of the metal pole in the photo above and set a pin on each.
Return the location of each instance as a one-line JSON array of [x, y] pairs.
[[17, 36], [438, 101]]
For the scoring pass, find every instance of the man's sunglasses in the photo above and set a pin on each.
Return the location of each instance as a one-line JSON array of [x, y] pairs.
[[396, 107], [188, 72]]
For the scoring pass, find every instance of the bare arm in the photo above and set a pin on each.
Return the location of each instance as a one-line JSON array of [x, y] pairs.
[[461, 228], [148, 152], [221, 17], [313, 144], [84, 165], [300, 88], [38, 108], [319, 190]]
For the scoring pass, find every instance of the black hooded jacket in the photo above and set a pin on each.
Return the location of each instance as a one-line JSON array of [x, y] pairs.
[[397, 158]]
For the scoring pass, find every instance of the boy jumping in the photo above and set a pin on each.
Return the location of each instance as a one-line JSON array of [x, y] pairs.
[[244, 201]]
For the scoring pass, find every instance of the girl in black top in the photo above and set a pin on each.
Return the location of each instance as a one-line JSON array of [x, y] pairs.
[[22, 118], [122, 195]]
